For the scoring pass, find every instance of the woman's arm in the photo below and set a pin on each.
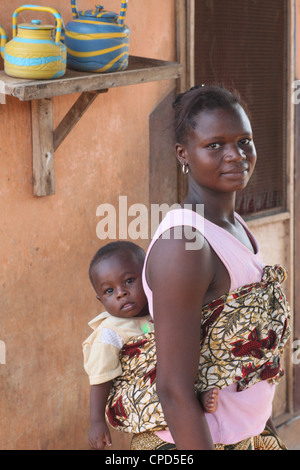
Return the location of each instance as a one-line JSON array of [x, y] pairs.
[[179, 279]]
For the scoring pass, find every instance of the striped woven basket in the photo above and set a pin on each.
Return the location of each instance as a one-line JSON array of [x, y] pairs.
[[97, 40]]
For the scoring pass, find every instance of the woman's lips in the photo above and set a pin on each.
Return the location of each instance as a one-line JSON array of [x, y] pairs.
[[236, 172]]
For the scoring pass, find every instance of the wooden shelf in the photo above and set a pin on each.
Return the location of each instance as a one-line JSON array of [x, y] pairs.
[[45, 140], [140, 70]]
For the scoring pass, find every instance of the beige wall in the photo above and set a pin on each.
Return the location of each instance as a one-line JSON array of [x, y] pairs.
[[46, 243], [273, 236]]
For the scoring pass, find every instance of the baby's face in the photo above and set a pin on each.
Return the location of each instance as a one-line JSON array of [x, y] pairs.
[[118, 283]]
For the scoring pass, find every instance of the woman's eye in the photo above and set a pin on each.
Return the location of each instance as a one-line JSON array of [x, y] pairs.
[[214, 146], [245, 141]]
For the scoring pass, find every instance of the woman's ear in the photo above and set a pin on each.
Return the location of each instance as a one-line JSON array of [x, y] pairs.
[[181, 154]]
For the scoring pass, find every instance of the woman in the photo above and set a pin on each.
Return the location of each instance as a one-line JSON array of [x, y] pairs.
[[216, 150]]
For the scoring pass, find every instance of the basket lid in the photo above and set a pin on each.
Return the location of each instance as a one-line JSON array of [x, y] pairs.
[[35, 24], [99, 14]]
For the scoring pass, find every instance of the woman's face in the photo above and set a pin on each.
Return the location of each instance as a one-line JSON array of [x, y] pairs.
[[220, 151]]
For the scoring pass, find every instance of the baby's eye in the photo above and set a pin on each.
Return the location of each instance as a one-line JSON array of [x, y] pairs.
[[129, 280], [214, 146], [108, 291]]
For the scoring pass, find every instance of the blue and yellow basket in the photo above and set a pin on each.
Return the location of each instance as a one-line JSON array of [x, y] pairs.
[[35, 51], [97, 40]]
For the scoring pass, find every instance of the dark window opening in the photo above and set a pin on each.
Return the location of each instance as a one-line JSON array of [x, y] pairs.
[[242, 45]]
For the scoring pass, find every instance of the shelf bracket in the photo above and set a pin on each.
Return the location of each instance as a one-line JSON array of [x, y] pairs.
[[45, 140]]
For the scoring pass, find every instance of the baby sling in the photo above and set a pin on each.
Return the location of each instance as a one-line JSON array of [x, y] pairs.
[[243, 334]]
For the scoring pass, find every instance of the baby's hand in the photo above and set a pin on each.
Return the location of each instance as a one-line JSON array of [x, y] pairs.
[[99, 436]]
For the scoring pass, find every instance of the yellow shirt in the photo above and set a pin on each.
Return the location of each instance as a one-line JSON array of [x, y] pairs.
[[101, 349]]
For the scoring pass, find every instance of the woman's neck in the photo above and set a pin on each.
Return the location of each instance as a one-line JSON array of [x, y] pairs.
[[218, 208]]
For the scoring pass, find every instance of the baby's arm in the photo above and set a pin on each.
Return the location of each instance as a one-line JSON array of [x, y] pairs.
[[99, 435]]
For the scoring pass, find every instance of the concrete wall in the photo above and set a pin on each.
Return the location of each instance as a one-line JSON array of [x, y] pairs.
[[46, 243]]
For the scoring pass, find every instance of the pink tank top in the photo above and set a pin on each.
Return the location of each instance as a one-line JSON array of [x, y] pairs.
[[240, 414]]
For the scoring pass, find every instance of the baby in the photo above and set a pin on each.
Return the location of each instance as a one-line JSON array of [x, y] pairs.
[[116, 275]]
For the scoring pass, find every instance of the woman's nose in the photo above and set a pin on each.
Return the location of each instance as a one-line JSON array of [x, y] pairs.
[[234, 153]]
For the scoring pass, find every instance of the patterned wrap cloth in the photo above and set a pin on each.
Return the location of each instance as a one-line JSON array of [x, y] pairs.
[[267, 440], [242, 338]]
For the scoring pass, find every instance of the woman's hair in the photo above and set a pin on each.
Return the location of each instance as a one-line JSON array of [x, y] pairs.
[[113, 248], [199, 98]]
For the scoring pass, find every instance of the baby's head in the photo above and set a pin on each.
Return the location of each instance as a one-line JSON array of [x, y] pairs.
[[116, 275]]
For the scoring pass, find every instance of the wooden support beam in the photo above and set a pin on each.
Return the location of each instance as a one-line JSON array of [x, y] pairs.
[[185, 51], [73, 116], [45, 141], [42, 147], [190, 43]]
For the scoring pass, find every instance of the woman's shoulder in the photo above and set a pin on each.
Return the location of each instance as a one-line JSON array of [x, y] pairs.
[[179, 223], [183, 216], [180, 250]]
